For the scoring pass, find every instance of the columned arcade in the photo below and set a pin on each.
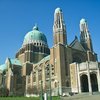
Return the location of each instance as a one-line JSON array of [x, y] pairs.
[[89, 84], [86, 77]]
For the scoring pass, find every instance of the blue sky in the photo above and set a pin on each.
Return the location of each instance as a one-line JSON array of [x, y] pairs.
[[17, 17]]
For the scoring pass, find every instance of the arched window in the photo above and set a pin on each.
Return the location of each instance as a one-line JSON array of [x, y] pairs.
[[67, 83], [55, 84]]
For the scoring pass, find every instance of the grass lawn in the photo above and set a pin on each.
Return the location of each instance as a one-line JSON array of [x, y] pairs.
[[19, 98], [24, 98]]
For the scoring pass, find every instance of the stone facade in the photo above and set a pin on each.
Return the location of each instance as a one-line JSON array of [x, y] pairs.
[[37, 68], [85, 77]]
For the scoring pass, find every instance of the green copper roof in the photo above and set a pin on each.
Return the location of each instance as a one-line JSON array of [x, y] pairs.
[[15, 62], [3, 67], [35, 35]]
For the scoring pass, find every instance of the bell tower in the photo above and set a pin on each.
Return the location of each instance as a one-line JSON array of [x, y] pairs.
[[85, 37], [59, 28], [58, 53]]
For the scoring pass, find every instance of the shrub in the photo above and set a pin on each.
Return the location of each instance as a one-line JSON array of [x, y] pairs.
[[4, 91]]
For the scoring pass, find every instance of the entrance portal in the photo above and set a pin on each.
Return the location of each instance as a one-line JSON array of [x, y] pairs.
[[94, 83], [84, 83]]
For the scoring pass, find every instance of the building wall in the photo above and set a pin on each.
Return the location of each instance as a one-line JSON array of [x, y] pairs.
[[32, 53], [74, 77], [85, 68]]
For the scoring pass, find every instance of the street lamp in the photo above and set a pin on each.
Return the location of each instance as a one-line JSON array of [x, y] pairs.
[[2, 86], [41, 97], [26, 85], [58, 91], [3, 78], [50, 81], [11, 75], [49, 71], [57, 86]]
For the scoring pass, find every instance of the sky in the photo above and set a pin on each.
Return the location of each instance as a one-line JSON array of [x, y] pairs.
[[17, 17]]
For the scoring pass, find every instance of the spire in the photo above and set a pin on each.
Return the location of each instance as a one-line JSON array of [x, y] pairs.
[[85, 37], [83, 26], [58, 18], [59, 28]]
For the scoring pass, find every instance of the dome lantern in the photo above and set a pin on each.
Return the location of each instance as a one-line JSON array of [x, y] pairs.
[[35, 27]]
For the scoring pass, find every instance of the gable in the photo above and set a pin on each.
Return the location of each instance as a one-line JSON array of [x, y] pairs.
[[76, 45]]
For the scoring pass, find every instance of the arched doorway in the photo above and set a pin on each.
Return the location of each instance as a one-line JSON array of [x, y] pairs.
[[84, 83], [94, 83]]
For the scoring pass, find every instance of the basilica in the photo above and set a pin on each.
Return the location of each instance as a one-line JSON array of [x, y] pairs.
[[61, 69]]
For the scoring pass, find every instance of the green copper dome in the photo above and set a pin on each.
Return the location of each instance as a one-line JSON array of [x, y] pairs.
[[3, 67], [34, 36]]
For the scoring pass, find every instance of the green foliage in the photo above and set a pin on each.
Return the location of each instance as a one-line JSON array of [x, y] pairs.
[[32, 90], [4, 91], [19, 98]]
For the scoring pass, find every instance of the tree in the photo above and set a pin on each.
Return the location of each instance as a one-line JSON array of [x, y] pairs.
[[32, 90]]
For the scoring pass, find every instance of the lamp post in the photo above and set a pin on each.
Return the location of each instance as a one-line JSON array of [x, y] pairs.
[[41, 97], [58, 91], [2, 81], [50, 81], [26, 85], [12, 86], [57, 87], [2, 86], [3, 78]]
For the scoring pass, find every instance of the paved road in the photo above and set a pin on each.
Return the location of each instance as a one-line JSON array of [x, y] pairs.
[[95, 96]]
